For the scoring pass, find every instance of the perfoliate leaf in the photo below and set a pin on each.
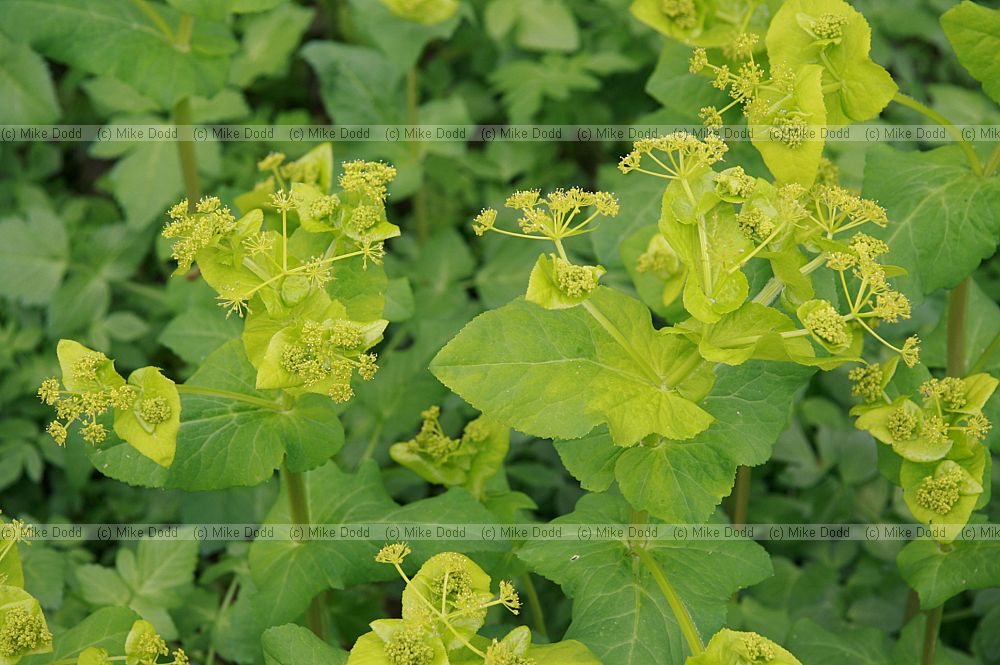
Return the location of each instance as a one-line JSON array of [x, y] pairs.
[[834, 36], [151, 425], [729, 646], [560, 373]]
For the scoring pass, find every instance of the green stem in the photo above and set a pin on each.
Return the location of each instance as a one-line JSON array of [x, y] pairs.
[[741, 496], [189, 161], [677, 606], [993, 162], [155, 17], [931, 629], [912, 606], [298, 505], [958, 301], [956, 134], [228, 394], [227, 600], [535, 604], [413, 118]]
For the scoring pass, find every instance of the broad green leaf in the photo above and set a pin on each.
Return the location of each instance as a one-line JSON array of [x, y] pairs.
[[226, 442], [938, 572], [941, 216], [102, 586], [619, 612], [560, 373], [195, 333], [358, 84], [683, 481], [269, 39], [546, 25], [295, 645], [816, 645], [974, 33], [289, 574], [106, 629], [119, 39], [34, 254], [25, 86], [400, 37]]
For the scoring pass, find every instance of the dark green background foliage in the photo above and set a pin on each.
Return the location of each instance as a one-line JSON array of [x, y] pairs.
[[81, 257]]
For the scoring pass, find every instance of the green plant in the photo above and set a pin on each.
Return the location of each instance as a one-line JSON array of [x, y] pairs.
[[729, 305]]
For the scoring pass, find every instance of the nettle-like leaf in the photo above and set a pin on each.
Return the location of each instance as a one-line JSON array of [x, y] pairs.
[[819, 646], [288, 574], [106, 629], [560, 373], [942, 221], [683, 481], [119, 39], [833, 35], [619, 611], [232, 434], [938, 572], [25, 86], [974, 33], [151, 580]]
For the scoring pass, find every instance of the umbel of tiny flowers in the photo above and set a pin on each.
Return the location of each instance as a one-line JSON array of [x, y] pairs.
[[329, 353], [553, 217], [731, 647], [446, 601], [674, 156], [23, 630], [764, 98], [91, 402]]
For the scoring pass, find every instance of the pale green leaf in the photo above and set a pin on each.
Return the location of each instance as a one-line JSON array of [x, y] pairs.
[[938, 575], [25, 86]]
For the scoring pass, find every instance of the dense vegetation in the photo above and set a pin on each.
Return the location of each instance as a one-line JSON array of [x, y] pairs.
[[366, 332]]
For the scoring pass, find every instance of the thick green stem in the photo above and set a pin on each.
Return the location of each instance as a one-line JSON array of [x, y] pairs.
[[298, 505], [956, 134], [931, 630], [535, 605], [912, 606], [741, 496], [413, 118], [993, 162], [228, 394], [958, 301], [677, 606], [189, 162]]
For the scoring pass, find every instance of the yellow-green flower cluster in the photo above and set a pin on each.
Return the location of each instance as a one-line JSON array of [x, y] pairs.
[[867, 382], [675, 155], [329, 350], [194, 231], [939, 493], [827, 324], [87, 406], [575, 281], [431, 439], [22, 632], [553, 216], [368, 178]]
